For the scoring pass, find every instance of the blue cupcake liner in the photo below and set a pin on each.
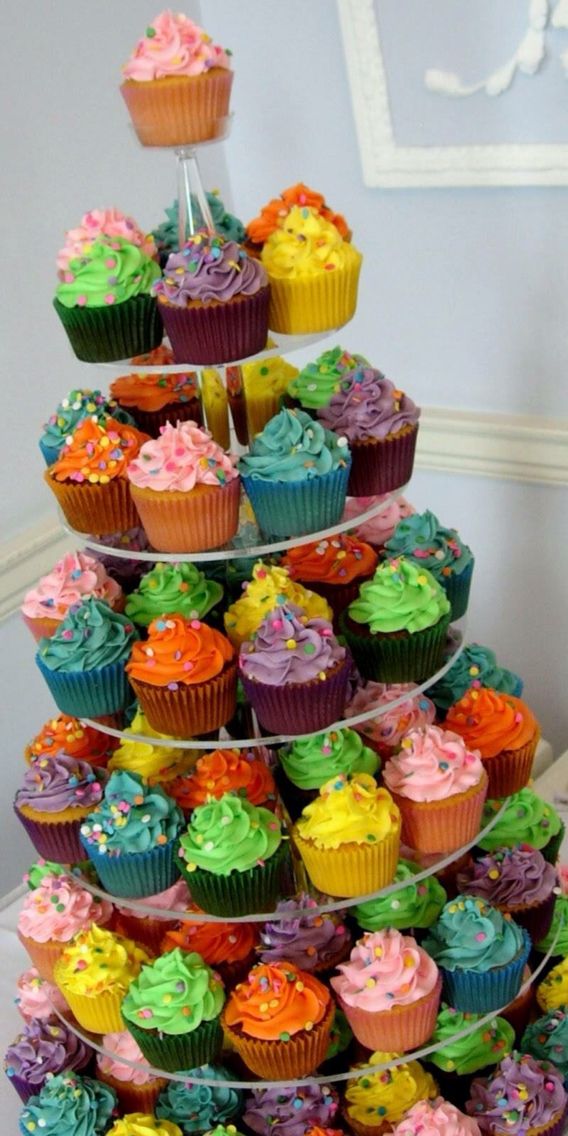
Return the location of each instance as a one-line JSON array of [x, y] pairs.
[[135, 875], [286, 509], [50, 453], [88, 694], [480, 993], [457, 589]]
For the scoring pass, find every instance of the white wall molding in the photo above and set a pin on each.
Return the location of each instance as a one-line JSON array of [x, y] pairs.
[[501, 446]]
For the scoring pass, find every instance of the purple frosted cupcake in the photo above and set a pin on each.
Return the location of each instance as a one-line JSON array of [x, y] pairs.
[[290, 1112], [55, 797], [524, 1097], [126, 571], [294, 672], [518, 881], [41, 1050], [315, 943]]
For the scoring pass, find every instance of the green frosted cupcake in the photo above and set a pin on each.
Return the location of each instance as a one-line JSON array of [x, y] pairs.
[[172, 1011], [316, 384], [417, 905], [179, 588], [309, 762], [396, 628], [547, 1039], [479, 1049], [527, 819]]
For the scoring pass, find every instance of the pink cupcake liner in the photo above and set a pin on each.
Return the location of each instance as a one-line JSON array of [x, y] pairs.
[[397, 1030]]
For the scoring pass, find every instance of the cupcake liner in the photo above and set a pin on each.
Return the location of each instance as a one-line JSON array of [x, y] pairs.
[[54, 840], [457, 589], [174, 1052], [43, 955], [117, 331], [519, 1012], [480, 993], [41, 626], [536, 918], [49, 453], [510, 770], [135, 875], [381, 465], [286, 509], [360, 1129], [352, 869], [298, 708], [190, 710], [151, 421], [99, 1013], [179, 110], [88, 694], [147, 930], [317, 303], [202, 518], [552, 849], [555, 1128], [442, 826], [131, 1097], [219, 331], [400, 657], [399, 1029], [239, 893], [297, 1057], [96, 509]]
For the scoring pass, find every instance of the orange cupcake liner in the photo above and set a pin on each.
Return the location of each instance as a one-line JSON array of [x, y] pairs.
[[510, 770], [189, 710], [96, 509], [204, 517], [179, 110], [442, 826], [41, 626], [297, 1057], [149, 931], [318, 303], [43, 955], [399, 1029], [352, 869], [134, 1098]]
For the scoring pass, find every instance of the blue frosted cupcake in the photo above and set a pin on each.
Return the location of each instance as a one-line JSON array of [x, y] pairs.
[[67, 1103], [547, 1040], [295, 475], [83, 661], [477, 666], [422, 539], [82, 403], [481, 954], [196, 1107], [131, 837]]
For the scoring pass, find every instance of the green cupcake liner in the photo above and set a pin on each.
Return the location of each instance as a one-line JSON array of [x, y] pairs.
[[408, 658], [174, 1052], [118, 331], [239, 893], [552, 849]]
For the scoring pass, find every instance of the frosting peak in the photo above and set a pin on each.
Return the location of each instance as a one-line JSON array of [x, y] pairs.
[[174, 45], [431, 765]]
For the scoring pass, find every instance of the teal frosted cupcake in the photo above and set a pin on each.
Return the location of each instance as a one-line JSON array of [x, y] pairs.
[[418, 905], [81, 403], [422, 539], [308, 763], [67, 1103], [317, 382], [481, 954], [547, 1040], [196, 1107], [527, 819], [166, 235], [396, 628], [476, 666], [131, 837], [295, 475], [181, 588], [83, 662], [172, 1011]]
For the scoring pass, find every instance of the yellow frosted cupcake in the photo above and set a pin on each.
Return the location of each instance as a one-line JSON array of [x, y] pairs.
[[270, 587], [553, 992], [265, 383], [143, 1124], [156, 764], [375, 1102], [94, 973]]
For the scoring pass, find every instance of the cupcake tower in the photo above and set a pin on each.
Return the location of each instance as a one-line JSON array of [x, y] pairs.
[[271, 910]]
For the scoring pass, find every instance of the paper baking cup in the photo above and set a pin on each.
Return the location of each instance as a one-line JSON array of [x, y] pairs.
[[352, 869], [43, 955], [52, 839], [202, 518], [381, 465], [286, 509], [147, 930], [519, 1012], [190, 710], [219, 331], [135, 874], [96, 509], [99, 1013], [442, 826], [536, 918], [298, 708], [510, 770], [480, 993], [239, 893], [318, 303], [179, 110], [41, 626], [117, 331], [552, 849], [297, 1057], [399, 657], [88, 694], [151, 421], [131, 1097], [399, 1029], [174, 1052], [457, 589]]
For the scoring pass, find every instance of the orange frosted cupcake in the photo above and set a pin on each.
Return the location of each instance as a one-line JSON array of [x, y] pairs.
[[83, 743], [89, 477], [503, 730], [273, 215], [154, 399], [334, 568], [279, 1019], [225, 771], [185, 677], [228, 948]]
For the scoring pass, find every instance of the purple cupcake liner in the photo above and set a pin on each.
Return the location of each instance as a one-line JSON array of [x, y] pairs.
[[218, 332], [135, 875], [480, 993], [457, 589], [381, 466], [89, 694], [300, 708], [101, 335], [537, 919], [286, 509], [59, 842]]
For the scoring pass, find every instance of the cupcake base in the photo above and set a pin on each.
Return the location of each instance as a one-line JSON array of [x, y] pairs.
[[135, 875], [217, 332], [480, 993], [352, 869], [298, 708], [510, 770], [179, 110], [88, 694], [287, 509], [317, 303], [174, 1052], [53, 839], [297, 1057], [190, 710], [399, 1029], [381, 465], [442, 826], [204, 517], [96, 509], [103, 335], [398, 657], [240, 893]]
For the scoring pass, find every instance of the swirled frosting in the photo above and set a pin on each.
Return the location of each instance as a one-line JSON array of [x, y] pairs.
[[97, 452], [96, 961], [385, 1096], [226, 771], [305, 245], [478, 1049], [216, 942], [226, 224], [153, 763], [43, 1048], [476, 666], [211, 270], [436, 1118], [400, 597], [196, 1107], [107, 223], [151, 392], [558, 932], [510, 877], [58, 908], [290, 648], [174, 45], [492, 722], [92, 635], [310, 762], [277, 1001], [271, 586], [179, 651], [386, 969], [472, 935], [183, 457], [107, 271], [273, 215], [415, 905], [268, 378], [377, 529], [524, 1095], [38, 1000], [143, 1124], [75, 576], [547, 1039], [78, 404], [317, 382], [53, 784], [229, 835], [289, 1111], [174, 994], [431, 765], [553, 990], [349, 810], [337, 560], [292, 447], [388, 729], [132, 817], [435, 547], [308, 940], [368, 406], [41, 868], [526, 818], [77, 1106], [69, 734], [180, 588]]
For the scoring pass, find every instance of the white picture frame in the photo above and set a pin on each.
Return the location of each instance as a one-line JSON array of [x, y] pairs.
[[388, 165]]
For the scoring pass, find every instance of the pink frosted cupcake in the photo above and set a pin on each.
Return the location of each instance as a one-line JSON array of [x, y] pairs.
[[74, 577], [136, 1087], [385, 732], [186, 490], [149, 930], [436, 1118], [379, 528], [98, 222], [37, 999], [389, 992], [440, 788], [52, 914]]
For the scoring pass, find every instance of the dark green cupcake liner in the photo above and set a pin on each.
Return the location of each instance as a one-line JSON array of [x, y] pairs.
[[239, 893], [552, 849], [174, 1052], [405, 658], [117, 331]]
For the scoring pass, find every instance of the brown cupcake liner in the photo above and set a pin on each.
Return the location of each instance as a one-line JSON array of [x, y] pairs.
[[399, 1029], [381, 465], [204, 517], [217, 332], [442, 826], [189, 710], [318, 303], [352, 869], [510, 770], [95, 509], [179, 110], [297, 1057], [131, 1097]]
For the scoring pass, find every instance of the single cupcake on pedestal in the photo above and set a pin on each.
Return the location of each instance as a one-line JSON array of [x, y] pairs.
[[376, 1101], [519, 882], [290, 1111], [198, 1108], [228, 948], [154, 399], [424, 540], [504, 730], [78, 404], [270, 586], [225, 771], [313, 942], [41, 1051], [52, 914], [308, 763], [335, 568], [74, 577], [522, 1096], [55, 797], [94, 972], [410, 908], [399, 710], [136, 1088], [69, 1103], [182, 589], [317, 382], [476, 666], [378, 528]]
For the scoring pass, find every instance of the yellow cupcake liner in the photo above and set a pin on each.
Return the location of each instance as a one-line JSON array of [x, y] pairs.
[[319, 303], [97, 1013], [353, 869]]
